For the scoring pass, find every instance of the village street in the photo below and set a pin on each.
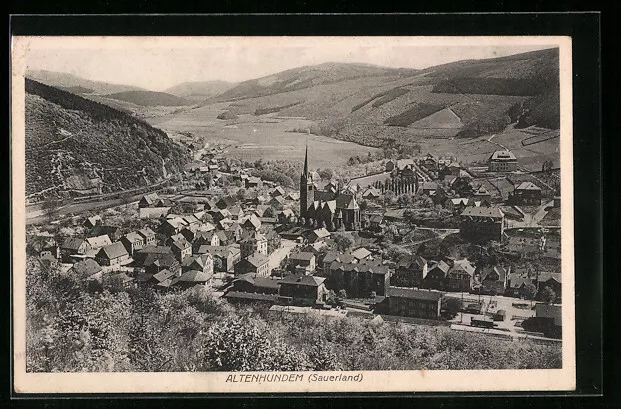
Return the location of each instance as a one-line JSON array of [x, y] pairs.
[[281, 253], [532, 219]]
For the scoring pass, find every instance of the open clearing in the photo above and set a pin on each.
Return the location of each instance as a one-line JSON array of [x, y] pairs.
[[266, 137]]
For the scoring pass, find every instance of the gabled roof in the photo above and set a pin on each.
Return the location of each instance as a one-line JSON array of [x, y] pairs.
[[302, 256], [430, 186], [462, 201], [441, 265], [428, 295], [501, 271], [94, 219], [262, 282], [112, 251], [517, 281], [543, 277], [160, 260], [257, 259], [200, 260], [163, 275], [527, 186], [146, 232], [100, 230], [192, 276], [220, 251], [150, 198], [151, 249], [299, 279], [86, 268], [133, 237], [181, 244], [72, 243], [253, 220], [321, 233], [365, 266], [411, 261], [492, 212], [463, 265]]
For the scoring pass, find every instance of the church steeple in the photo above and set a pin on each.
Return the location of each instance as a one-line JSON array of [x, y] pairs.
[[307, 189], [305, 174]]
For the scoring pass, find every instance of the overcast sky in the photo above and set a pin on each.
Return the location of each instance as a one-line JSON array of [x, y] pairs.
[[157, 64]]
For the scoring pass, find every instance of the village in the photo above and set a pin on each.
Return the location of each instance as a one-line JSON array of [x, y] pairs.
[[426, 241]]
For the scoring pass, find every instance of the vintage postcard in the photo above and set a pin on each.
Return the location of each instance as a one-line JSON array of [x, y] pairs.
[[292, 214]]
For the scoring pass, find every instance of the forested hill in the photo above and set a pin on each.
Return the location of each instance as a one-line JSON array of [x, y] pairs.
[[75, 146]]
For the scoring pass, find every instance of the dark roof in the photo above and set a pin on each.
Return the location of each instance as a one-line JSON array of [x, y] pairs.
[[492, 212], [86, 268], [428, 295], [373, 267], [440, 265], [501, 271], [101, 230], [332, 256], [463, 265], [503, 156], [220, 251], [72, 243], [150, 249], [261, 282], [163, 275], [412, 260], [113, 251], [161, 260], [181, 244], [543, 277], [311, 281], [302, 256], [193, 276]]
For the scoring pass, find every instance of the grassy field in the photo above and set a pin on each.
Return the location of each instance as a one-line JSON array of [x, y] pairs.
[[267, 136]]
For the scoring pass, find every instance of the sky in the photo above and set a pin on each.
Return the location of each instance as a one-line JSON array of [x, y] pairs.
[[159, 63]]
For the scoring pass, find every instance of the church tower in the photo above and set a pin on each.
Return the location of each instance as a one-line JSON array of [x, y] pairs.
[[307, 188]]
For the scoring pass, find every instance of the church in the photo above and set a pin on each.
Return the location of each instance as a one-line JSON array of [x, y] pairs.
[[335, 208]]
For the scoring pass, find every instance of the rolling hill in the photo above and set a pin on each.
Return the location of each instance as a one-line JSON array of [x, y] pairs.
[[149, 98], [376, 106], [78, 146], [200, 90], [76, 84]]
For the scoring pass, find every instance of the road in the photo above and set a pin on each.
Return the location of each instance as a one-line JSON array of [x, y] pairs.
[[286, 246], [533, 219]]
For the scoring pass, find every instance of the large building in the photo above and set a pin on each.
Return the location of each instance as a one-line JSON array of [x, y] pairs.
[[502, 161], [410, 302], [481, 224], [332, 206]]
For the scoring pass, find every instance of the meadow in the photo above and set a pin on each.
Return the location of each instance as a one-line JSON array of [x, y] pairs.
[[268, 137]]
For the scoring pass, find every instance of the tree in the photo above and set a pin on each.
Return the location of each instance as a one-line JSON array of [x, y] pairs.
[[342, 241], [241, 194], [548, 295], [342, 293], [326, 174], [530, 291], [451, 305]]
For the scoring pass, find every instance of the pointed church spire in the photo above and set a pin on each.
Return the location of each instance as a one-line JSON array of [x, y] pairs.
[[306, 159]]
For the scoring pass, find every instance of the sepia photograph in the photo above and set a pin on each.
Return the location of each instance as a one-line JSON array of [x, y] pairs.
[[292, 214]]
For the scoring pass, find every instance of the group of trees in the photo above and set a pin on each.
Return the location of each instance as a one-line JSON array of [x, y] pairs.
[[72, 328]]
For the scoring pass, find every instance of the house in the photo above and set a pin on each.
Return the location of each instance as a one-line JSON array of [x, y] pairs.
[[113, 254], [494, 279], [113, 232], [318, 235], [181, 249], [256, 263], [250, 283], [461, 276], [359, 279], [201, 262], [549, 312], [132, 242], [140, 255], [304, 260], [293, 196], [201, 238], [277, 202], [278, 191], [261, 210], [273, 241], [155, 263], [394, 215], [235, 213], [428, 187], [371, 193], [527, 194], [148, 200], [551, 280], [361, 254], [192, 278], [436, 275], [93, 221], [456, 206], [148, 236], [453, 169], [376, 221], [516, 285], [43, 245], [253, 183], [410, 302], [72, 246], [172, 226], [253, 244], [95, 243], [410, 271], [502, 161], [480, 224], [252, 223], [224, 258], [120, 279], [225, 202], [303, 289], [87, 269], [429, 161], [175, 237]]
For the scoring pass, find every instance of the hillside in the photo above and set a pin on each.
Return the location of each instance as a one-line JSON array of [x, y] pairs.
[[76, 84], [377, 106], [149, 98], [200, 90], [78, 146]]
